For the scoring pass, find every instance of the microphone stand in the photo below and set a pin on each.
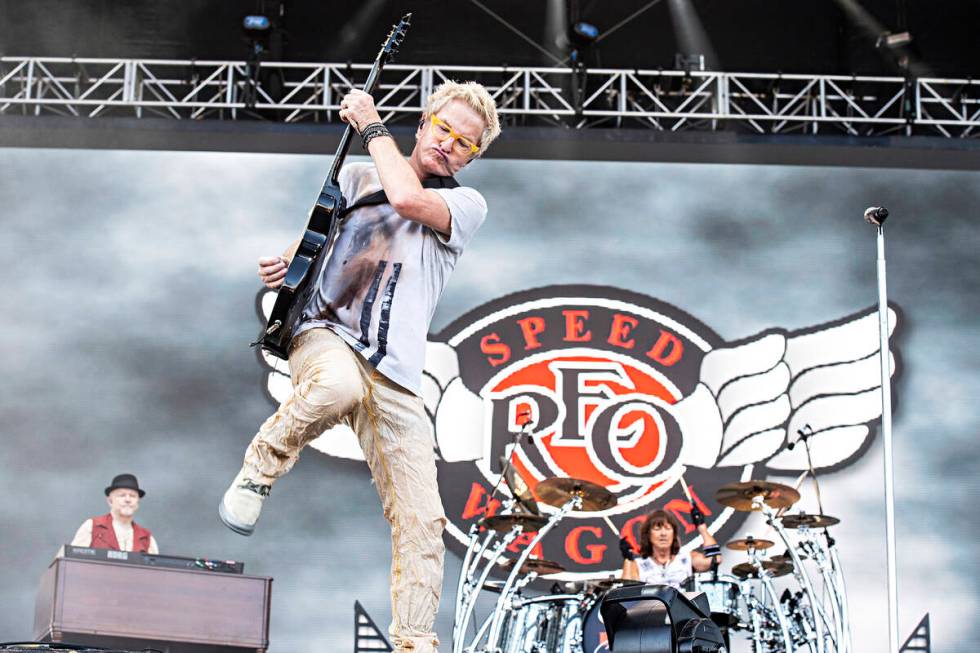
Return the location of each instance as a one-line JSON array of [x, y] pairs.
[[525, 433], [876, 217]]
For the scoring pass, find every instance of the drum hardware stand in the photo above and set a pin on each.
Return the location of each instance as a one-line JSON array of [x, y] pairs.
[[824, 558], [766, 577], [494, 637], [819, 617], [478, 636], [842, 591], [468, 590], [876, 216]]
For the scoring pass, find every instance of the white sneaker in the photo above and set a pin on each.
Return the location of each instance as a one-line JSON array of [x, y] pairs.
[[241, 505]]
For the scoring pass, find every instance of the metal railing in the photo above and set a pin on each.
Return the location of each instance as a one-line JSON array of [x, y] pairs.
[[667, 100]]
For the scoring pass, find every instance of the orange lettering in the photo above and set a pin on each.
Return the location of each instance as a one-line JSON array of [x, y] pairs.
[[531, 327], [477, 504], [667, 350], [521, 541], [621, 327], [574, 551], [491, 346], [575, 330], [627, 531]]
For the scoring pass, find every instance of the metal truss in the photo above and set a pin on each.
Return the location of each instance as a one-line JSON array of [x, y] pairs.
[[667, 100]]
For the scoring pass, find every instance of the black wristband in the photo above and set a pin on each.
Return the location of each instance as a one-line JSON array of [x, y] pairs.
[[372, 131], [711, 550]]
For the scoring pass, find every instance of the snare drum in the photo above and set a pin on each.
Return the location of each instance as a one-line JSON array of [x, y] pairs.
[[723, 598], [722, 595]]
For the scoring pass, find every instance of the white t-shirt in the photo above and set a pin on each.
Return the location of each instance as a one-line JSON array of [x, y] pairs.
[[674, 573], [379, 288]]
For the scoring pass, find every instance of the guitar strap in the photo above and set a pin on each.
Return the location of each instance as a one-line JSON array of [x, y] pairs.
[[380, 198]]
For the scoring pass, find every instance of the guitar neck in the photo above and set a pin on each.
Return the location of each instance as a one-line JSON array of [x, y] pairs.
[[369, 87]]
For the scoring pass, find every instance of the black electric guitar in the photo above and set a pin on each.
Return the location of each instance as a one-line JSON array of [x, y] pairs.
[[314, 247]]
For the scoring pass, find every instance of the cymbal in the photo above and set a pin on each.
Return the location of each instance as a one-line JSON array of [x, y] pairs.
[[748, 570], [519, 488], [557, 492], [750, 543], [503, 523], [804, 520], [537, 565], [740, 495]]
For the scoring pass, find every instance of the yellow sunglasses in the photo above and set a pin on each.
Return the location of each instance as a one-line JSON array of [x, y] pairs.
[[442, 131]]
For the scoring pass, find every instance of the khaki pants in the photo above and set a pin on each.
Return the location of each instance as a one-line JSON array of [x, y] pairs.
[[333, 385]]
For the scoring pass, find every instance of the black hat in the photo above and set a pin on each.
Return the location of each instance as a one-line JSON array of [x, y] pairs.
[[125, 481]]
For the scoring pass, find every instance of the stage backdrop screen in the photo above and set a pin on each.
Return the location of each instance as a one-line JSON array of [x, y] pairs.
[[656, 319]]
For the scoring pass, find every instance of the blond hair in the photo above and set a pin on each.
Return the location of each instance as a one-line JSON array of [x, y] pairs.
[[477, 98]]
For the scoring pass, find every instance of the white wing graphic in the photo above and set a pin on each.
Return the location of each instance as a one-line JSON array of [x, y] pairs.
[[774, 385], [749, 397], [455, 412]]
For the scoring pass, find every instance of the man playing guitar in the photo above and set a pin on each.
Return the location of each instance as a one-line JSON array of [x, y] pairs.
[[359, 349]]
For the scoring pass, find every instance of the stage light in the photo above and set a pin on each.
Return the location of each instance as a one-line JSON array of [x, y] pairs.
[[893, 41], [689, 62], [256, 26], [584, 33]]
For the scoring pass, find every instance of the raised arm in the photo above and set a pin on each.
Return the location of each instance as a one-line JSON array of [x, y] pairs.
[[711, 551], [401, 182]]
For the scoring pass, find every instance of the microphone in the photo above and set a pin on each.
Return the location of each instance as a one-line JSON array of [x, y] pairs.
[[802, 433], [875, 215]]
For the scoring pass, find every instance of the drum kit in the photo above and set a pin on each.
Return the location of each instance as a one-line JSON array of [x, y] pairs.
[[806, 616], [565, 622]]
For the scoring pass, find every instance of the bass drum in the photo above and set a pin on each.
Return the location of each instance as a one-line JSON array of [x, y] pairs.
[[593, 638], [544, 624]]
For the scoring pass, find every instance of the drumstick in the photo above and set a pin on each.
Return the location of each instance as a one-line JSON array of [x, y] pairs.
[[687, 491], [799, 481], [612, 526]]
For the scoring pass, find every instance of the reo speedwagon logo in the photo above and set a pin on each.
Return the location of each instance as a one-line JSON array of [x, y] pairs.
[[629, 392]]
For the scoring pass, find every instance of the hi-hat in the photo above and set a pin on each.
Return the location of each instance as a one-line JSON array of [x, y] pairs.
[[740, 496], [748, 570], [804, 520], [503, 523], [537, 565], [750, 543], [559, 491]]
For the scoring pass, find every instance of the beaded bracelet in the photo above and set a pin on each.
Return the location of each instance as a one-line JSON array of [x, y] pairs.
[[372, 131]]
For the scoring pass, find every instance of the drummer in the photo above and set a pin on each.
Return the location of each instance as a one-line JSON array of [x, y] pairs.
[[661, 561]]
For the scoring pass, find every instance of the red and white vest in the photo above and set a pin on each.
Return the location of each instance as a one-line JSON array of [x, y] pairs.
[[104, 537]]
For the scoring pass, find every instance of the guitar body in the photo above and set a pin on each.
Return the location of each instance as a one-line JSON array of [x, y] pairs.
[[304, 269]]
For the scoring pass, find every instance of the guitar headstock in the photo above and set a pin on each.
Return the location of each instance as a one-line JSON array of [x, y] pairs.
[[395, 37]]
